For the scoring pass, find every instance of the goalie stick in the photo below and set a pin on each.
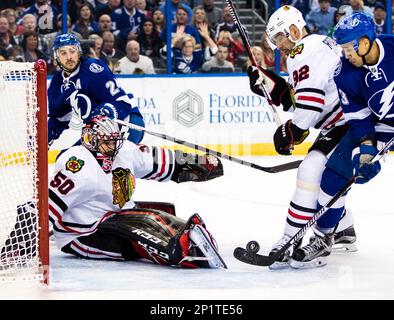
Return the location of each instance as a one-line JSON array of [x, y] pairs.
[[273, 169], [261, 260], [245, 40]]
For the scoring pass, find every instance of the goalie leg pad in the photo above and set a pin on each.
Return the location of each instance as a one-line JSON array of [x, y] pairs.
[[147, 232], [162, 206]]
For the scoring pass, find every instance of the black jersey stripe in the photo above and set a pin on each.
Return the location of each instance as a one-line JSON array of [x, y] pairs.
[[155, 163], [308, 107], [314, 90], [300, 208], [59, 202], [170, 161], [70, 224], [320, 123], [78, 225], [295, 224], [55, 227]]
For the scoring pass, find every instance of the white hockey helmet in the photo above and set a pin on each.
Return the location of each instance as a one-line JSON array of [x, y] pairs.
[[281, 20], [101, 128]]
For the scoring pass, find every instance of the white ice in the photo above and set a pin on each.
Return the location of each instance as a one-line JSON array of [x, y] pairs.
[[242, 205]]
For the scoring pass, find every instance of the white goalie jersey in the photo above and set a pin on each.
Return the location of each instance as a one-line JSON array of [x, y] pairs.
[[83, 191], [311, 66]]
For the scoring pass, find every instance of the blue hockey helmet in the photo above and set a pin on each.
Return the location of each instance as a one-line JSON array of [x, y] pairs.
[[353, 27], [66, 39]]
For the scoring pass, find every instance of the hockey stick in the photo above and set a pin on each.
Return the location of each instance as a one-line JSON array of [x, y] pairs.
[[274, 169], [245, 40], [261, 260]]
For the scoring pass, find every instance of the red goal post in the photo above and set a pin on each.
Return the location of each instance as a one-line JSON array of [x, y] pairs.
[[24, 227]]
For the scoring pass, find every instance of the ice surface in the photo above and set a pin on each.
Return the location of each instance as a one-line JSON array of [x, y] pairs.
[[242, 205]]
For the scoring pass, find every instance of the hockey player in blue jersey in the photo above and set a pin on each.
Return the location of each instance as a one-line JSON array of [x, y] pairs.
[[85, 87], [365, 82]]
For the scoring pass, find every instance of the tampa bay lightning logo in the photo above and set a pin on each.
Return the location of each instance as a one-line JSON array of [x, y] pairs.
[[95, 68], [81, 105], [381, 103], [338, 68], [355, 22]]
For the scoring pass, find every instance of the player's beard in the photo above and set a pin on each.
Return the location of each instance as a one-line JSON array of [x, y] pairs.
[[67, 69]]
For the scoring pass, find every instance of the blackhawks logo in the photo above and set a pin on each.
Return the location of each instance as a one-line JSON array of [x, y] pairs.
[[123, 185], [74, 165], [296, 50]]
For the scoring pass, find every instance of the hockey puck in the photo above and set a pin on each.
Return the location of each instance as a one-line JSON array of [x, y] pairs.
[[253, 246]]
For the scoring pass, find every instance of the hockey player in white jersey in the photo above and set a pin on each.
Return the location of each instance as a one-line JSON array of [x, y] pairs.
[[365, 81], [93, 213], [311, 63]]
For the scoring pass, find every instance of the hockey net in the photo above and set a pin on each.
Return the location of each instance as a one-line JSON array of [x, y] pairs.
[[24, 249]]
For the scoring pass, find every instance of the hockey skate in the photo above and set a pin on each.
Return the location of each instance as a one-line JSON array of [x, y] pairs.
[[284, 260], [313, 254], [345, 240], [344, 233], [197, 247]]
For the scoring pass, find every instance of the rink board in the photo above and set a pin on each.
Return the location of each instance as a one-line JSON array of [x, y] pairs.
[[219, 112]]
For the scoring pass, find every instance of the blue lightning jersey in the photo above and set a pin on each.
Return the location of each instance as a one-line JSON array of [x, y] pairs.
[[124, 23], [367, 94], [187, 66], [91, 86]]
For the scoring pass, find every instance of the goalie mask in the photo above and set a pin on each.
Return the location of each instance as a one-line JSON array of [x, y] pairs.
[[101, 134], [280, 21]]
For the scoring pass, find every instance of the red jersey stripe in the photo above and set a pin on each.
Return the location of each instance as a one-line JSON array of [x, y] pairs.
[[336, 118], [313, 99], [163, 165], [297, 216], [96, 251]]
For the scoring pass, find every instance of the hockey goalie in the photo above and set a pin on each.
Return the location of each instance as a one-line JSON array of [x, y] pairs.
[[93, 213]]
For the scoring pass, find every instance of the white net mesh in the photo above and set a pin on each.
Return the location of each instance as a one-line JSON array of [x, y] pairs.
[[18, 173]]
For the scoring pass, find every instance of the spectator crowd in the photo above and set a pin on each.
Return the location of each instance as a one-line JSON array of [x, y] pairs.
[[131, 35]]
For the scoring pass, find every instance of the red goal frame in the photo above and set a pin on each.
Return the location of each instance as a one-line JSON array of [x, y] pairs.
[[42, 168]]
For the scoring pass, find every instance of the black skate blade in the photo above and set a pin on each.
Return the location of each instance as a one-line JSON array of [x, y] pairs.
[[256, 259]]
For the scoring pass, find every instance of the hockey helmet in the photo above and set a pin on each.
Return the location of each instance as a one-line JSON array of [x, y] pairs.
[[353, 27], [101, 128], [281, 20], [66, 39]]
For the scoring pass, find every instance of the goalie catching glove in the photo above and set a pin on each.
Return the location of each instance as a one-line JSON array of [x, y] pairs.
[[193, 167], [286, 136], [279, 89]]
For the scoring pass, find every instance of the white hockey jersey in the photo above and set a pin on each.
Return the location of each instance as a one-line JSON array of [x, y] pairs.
[[81, 188], [311, 66]]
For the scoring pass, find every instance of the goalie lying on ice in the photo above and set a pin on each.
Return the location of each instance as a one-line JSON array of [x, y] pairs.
[[93, 213]]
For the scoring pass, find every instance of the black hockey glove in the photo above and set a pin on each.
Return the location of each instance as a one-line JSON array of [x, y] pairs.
[[279, 89], [193, 167], [286, 136]]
